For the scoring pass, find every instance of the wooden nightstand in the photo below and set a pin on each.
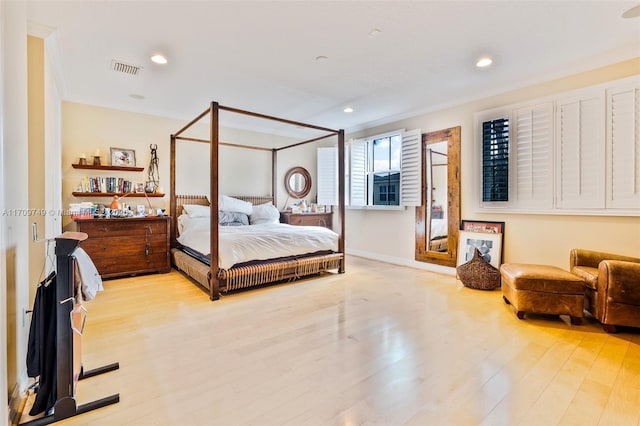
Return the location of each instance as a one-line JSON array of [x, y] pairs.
[[127, 246], [311, 219]]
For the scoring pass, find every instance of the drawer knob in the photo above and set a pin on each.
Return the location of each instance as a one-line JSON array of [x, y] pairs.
[[105, 229]]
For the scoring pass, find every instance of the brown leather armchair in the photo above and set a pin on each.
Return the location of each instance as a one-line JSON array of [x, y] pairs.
[[612, 286]]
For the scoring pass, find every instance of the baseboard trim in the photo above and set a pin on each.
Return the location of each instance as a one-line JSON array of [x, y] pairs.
[[403, 262]]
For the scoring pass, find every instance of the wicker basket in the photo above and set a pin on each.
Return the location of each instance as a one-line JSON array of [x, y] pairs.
[[479, 274]]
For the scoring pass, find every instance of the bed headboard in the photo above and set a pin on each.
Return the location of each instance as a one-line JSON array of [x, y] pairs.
[[203, 201]]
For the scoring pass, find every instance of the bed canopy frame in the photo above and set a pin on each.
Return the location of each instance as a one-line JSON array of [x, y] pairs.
[[213, 112]]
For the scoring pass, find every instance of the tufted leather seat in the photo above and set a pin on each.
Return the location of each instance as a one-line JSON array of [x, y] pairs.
[[542, 289], [612, 286]]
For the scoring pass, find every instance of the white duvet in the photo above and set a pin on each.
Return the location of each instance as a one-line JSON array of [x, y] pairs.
[[239, 244]]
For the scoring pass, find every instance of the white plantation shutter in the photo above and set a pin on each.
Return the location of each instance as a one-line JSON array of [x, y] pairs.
[[328, 176], [411, 172], [358, 174], [581, 152], [623, 146], [532, 150]]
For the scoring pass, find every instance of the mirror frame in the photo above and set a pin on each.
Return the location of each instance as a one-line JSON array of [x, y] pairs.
[[307, 182], [452, 136]]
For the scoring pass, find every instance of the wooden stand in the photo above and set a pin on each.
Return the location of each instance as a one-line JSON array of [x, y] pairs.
[[65, 405]]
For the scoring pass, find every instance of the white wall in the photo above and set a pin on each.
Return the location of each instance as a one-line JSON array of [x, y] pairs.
[[3, 251], [544, 239], [242, 171], [15, 233]]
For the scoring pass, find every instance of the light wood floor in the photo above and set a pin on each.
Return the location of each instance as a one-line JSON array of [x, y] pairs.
[[380, 344]]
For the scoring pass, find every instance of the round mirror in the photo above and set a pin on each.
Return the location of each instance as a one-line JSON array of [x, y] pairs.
[[297, 182]]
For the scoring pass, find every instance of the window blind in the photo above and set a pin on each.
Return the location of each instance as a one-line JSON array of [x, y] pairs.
[[327, 176], [533, 156], [358, 175], [410, 176], [624, 148], [581, 152], [495, 160]]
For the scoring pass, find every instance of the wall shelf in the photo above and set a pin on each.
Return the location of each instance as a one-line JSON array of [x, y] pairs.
[[119, 168], [119, 194]]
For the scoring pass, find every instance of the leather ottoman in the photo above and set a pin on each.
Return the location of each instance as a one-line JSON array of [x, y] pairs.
[[542, 289]]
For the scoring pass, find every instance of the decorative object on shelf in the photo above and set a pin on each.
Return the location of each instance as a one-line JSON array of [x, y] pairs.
[[478, 274], [96, 158], [115, 203], [83, 159], [123, 157], [153, 174]]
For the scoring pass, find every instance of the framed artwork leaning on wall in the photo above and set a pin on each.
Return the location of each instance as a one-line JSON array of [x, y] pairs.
[[489, 245]]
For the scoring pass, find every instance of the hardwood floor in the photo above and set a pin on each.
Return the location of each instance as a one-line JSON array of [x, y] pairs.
[[381, 344]]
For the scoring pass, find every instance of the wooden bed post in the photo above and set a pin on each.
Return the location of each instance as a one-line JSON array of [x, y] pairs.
[[172, 192], [274, 176], [341, 201], [214, 283]]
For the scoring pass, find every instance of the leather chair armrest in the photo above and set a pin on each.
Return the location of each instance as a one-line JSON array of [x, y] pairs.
[[592, 258], [619, 280]]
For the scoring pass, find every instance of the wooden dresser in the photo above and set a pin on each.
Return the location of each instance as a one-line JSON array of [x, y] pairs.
[[127, 246], [314, 219]]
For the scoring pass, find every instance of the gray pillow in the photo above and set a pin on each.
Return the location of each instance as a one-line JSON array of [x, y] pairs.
[[232, 218]]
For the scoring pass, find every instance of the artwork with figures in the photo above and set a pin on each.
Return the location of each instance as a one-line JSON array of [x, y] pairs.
[[489, 245]]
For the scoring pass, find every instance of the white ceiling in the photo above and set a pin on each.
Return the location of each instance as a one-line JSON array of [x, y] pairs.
[[261, 55]]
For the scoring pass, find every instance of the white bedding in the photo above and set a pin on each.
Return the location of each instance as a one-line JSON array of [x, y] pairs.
[[439, 228], [239, 244]]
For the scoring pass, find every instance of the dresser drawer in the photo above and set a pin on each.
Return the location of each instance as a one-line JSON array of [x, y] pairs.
[[100, 247], [114, 266], [116, 228], [121, 247], [307, 219]]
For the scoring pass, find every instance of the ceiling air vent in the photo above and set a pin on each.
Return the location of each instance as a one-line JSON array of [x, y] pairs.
[[125, 68]]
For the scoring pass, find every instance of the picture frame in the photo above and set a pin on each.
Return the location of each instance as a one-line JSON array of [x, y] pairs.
[[485, 226], [482, 226], [123, 157], [489, 245]]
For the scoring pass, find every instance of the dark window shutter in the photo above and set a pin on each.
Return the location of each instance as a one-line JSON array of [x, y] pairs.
[[495, 160]]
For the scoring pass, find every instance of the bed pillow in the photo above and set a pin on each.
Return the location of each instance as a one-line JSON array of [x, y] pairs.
[[232, 219], [188, 223], [264, 213], [230, 204], [196, 210]]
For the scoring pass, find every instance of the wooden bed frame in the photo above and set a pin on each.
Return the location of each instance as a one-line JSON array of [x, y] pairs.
[[216, 279]]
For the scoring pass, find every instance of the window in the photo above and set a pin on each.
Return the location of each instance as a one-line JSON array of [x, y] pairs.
[[495, 160], [383, 170], [570, 153]]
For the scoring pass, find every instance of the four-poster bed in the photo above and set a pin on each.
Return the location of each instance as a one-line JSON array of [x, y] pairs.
[[248, 274]]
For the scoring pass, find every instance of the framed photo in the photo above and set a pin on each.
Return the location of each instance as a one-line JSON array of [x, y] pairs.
[[123, 157], [485, 227], [489, 245]]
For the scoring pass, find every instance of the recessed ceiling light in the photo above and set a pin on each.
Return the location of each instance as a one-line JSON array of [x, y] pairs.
[[374, 32], [484, 62], [321, 58], [136, 96], [348, 109], [634, 12], [159, 59]]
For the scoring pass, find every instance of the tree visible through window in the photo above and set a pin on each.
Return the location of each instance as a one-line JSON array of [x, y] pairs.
[[495, 160]]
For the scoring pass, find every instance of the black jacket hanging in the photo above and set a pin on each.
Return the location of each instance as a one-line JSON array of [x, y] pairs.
[[41, 349]]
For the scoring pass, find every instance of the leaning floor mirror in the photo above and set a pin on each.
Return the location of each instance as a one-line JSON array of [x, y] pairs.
[[438, 218]]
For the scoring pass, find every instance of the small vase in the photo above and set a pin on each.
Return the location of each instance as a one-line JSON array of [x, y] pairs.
[[150, 187], [115, 203]]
